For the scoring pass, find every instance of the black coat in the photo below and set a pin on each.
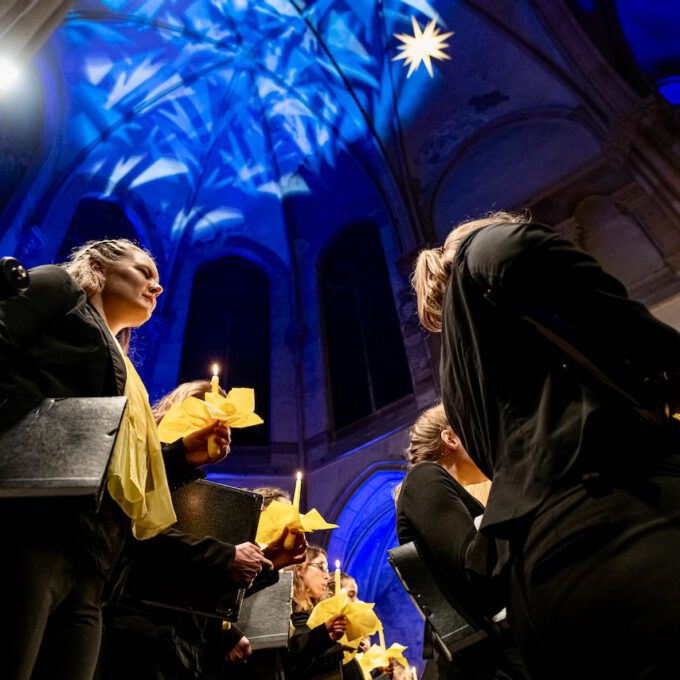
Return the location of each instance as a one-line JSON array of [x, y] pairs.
[[54, 344], [312, 653], [529, 415]]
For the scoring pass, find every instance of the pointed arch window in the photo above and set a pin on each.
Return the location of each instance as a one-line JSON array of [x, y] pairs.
[[367, 365], [228, 323]]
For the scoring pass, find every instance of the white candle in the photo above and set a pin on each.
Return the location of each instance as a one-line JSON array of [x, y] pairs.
[[215, 380], [337, 576], [414, 673], [298, 489]]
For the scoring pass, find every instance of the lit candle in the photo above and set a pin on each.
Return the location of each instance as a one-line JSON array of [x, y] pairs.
[[213, 449], [381, 633], [289, 542], [337, 576], [298, 489], [414, 673], [215, 380]]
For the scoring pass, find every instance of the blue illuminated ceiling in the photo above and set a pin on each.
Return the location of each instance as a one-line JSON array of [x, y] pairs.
[[200, 117], [198, 110]]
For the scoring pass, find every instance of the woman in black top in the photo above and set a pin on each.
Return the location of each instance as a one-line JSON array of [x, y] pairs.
[[313, 653], [436, 508], [559, 386], [57, 339]]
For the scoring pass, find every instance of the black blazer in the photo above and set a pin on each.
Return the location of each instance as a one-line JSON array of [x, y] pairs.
[[54, 344], [530, 417], [311, 652]]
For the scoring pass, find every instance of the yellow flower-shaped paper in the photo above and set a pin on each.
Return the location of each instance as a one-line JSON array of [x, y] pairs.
[[279, 516], [396, 651], [237, 410], [361, 619], [379, 657], [365, 670]]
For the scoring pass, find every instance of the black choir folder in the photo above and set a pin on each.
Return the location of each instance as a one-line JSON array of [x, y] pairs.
[[265, 616], [57, 447], [203, 509], [453, 628]]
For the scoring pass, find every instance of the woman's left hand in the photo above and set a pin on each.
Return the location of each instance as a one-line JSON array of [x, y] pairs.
[[196, 444]]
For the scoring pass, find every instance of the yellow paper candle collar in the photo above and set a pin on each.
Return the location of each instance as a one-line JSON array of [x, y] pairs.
[[236, 410], [361, 619], [379, 657], [279, 516]]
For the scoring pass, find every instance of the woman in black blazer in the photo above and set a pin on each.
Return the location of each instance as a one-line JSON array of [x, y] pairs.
[[438, 501], [561, 387], [58, 339]]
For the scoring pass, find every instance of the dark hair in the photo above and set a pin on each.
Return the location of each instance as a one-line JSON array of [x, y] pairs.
[[271, 493]]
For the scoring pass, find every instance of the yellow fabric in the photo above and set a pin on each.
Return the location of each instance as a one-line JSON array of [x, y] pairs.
[[279, 516], [137, 479], [237, 410]]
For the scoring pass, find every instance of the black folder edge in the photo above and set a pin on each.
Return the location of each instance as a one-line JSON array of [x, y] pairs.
[[82, 487], [230, 613], [275, 640], [457, 640]]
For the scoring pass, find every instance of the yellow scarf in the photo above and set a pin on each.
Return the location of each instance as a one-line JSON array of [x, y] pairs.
[[137, 479]]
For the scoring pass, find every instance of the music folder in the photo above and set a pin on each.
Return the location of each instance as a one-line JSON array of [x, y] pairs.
[[57, 447], [265, 615], [203, 509], [454, 629]]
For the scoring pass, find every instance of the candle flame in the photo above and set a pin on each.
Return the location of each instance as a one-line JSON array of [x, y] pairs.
[[337, 564], [216, 369], [298, 476]]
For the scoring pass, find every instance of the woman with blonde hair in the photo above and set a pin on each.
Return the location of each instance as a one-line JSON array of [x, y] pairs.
[[313, 653], [64, 336], [440, 497], [559, 386]]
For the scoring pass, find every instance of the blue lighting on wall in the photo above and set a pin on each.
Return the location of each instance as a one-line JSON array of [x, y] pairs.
[[367, 530], [669, 88]]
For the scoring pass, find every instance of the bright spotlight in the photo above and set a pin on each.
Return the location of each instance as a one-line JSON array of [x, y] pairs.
[[9, 74]]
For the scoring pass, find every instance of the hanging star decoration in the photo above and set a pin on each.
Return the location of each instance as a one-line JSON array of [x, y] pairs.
[[423, 46]]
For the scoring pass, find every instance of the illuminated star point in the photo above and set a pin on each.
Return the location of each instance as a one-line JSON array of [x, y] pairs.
[[423, 46]]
